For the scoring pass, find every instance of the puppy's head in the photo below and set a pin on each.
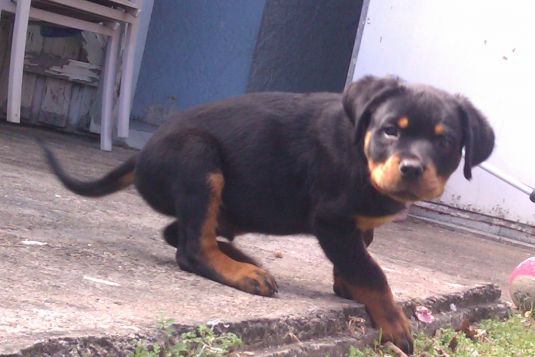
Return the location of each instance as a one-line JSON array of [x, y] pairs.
[[413, 135]]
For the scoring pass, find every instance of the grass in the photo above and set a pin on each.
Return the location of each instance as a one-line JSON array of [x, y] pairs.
[[513, 337], [200, 342]]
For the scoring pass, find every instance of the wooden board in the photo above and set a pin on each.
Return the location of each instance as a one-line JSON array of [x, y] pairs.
[[28, 84], [34, 40], [37, 97], [82, 100], [67, 47], [55, 105]]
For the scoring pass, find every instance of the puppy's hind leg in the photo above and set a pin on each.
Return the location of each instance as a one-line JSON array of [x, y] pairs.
[[174, 235], [175, 238], [198, 191]]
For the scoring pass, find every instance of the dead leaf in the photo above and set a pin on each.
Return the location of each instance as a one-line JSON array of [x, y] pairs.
[[294, 337], [468, 330], [442, 353], [355, 322], [453, 344]]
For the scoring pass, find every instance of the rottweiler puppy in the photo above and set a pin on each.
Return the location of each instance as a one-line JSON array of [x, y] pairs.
[[332, 165]]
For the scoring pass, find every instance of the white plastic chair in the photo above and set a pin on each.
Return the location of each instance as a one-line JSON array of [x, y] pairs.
[[105, 20]]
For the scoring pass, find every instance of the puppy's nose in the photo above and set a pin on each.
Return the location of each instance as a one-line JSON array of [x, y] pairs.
[[411, 168]]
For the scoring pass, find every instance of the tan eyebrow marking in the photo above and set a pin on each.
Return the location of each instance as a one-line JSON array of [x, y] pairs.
[[403, 122], [439, 129]]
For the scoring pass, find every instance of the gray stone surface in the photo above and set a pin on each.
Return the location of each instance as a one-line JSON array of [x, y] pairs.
[[49, 289]]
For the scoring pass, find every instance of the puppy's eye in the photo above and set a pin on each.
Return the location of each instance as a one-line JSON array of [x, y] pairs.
[[391, 131], [445, 143]]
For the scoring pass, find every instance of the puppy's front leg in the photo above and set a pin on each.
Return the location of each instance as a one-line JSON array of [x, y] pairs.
[[358, 277]]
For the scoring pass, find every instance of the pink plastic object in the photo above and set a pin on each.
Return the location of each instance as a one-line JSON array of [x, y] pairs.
[[522, 285]]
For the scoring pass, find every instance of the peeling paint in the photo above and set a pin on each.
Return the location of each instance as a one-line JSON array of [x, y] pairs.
[[74, 71], [77, 71], [68, 69], [93, 46]]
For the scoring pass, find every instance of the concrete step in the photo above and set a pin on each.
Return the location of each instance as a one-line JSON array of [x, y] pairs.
[[327, 333], [449, 311]]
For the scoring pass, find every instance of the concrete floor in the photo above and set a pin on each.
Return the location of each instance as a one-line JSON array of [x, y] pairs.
[[51, 288]]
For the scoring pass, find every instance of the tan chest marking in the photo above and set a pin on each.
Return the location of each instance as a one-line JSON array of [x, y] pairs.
[[365, 223]]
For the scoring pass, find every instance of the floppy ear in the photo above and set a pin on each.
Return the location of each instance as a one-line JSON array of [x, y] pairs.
[[362, 97], [478, 136]]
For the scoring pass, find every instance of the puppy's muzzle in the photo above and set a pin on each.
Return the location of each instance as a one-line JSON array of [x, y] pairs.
[[406, 179], [411, 169]]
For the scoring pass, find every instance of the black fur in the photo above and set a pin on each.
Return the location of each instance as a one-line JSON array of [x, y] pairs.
[[478, 136], [362, 97]]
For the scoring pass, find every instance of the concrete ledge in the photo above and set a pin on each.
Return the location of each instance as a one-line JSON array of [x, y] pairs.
[[330, 332], [352, 327]]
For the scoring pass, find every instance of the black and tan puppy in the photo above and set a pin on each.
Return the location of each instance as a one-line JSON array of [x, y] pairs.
[[332, 165]]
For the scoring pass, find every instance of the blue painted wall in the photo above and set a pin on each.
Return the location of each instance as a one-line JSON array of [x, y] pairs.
[[304, 45], [197, 51]]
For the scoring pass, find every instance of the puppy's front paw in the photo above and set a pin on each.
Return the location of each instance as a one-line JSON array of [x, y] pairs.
[[396, 328], [256, 281]]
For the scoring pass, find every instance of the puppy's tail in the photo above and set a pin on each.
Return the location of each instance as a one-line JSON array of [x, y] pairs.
[[115, 180]]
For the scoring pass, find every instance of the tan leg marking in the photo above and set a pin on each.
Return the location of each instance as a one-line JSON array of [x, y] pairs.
[[385, 313], [243, 276]]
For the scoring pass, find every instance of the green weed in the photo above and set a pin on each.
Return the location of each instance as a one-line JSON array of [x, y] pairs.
[[201, 342], [514, 337]]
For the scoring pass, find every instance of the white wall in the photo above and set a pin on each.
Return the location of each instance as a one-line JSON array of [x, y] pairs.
[[483, 49]]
